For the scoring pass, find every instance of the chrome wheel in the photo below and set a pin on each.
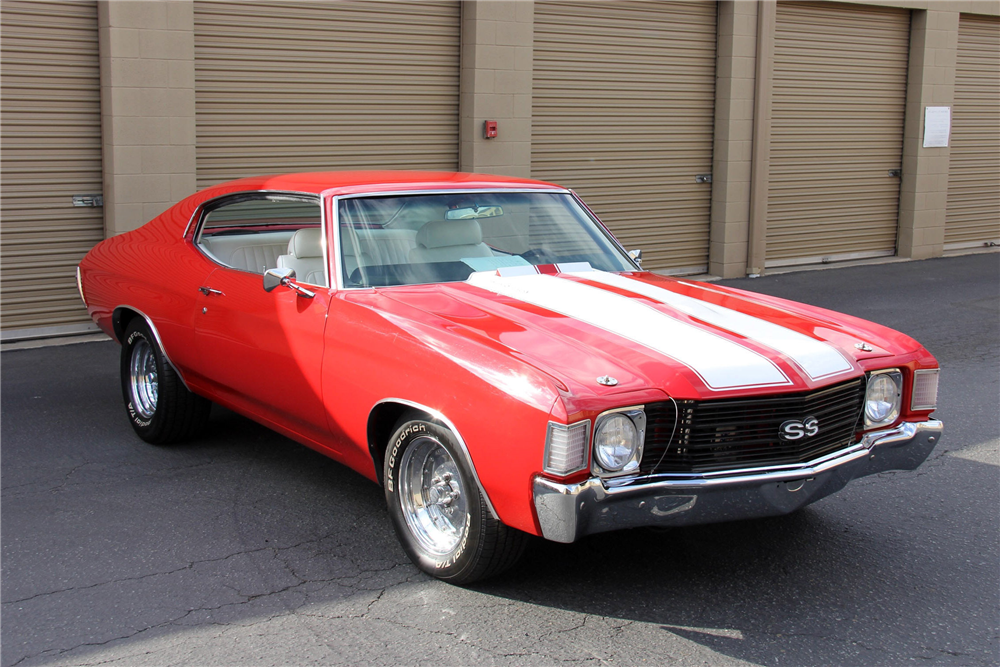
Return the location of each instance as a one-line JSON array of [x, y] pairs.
[[145, 384], [432, 496]]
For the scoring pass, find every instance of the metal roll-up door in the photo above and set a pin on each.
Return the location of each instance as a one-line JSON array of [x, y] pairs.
[[50, 112], [286, 87], [973, 216], [839, 96], [623, 112]]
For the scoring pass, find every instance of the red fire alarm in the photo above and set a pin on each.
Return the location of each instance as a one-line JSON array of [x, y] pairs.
[[490, 129]]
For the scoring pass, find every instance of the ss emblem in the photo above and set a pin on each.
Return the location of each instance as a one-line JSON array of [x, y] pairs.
[[793, 429]]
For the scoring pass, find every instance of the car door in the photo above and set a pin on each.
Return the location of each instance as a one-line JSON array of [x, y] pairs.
[[261, 352]]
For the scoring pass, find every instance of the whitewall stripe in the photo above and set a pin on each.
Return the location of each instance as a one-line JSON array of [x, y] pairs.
[[817, 359], [719, 362]]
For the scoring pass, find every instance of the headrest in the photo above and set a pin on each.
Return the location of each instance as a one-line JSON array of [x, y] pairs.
[[348, 246], [447, 233], [306, 243]]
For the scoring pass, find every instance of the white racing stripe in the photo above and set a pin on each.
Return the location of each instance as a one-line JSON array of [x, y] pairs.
[[818, 359], [719, 362]]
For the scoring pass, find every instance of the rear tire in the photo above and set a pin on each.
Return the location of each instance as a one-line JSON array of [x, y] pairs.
[[158, 405], [439, 514]]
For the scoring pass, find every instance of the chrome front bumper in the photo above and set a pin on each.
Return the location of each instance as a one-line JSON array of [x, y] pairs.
[[567, 512]]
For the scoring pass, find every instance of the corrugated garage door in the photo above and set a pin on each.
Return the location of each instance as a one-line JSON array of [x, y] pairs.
[[51, 150], [314, 86], [623, 104], [836, 132], [973, 217]]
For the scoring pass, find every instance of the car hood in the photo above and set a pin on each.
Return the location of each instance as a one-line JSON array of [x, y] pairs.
[[638, 331]]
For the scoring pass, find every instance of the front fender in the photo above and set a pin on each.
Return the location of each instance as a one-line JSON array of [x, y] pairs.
[[498, 406]]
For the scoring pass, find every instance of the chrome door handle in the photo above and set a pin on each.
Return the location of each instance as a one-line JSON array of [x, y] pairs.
[[208, 290]]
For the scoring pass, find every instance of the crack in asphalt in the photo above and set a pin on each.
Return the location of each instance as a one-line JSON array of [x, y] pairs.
[[189, 566], [176, 621]]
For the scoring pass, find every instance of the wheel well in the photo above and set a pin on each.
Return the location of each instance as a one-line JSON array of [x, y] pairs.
[[381, 423], [120, 320]]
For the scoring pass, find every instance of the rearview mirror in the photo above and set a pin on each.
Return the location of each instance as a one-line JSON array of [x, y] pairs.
[[275, 277], [474, 212], [636, 256]]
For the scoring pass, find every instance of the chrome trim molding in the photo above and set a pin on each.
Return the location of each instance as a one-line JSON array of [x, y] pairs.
[[198, 215], [324, 233], [156, 335], [567, 512], [458, 436], [79, 285], [337, 262], [446, 191], [198, 209]]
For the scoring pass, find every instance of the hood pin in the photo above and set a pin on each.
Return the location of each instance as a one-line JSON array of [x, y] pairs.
[[864, 347], [607, 381]]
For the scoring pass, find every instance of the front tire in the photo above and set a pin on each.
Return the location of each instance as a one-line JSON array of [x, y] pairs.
[[439, 515], [159, 406]]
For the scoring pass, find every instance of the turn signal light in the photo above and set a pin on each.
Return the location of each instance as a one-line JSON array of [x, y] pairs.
[[566, 448], [925, 387]]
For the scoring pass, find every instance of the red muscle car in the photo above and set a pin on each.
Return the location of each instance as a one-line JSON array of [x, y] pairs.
[[484, 349]]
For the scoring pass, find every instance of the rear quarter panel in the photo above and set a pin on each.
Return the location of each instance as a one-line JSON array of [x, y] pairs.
[[154, 270]]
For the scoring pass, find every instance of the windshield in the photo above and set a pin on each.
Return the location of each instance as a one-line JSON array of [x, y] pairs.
[[417, 239]]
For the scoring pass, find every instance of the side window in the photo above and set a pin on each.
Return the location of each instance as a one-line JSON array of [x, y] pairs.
[[267, 232]]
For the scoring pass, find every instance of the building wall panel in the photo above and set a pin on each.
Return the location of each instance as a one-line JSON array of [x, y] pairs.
[[623, 111], [973, 215], [50, 111], [284, 87]]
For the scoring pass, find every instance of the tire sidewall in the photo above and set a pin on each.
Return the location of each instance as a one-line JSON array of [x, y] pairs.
[[136, 332], [457, 563]]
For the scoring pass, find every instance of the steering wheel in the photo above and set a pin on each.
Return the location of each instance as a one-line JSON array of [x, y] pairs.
[[537, 256]]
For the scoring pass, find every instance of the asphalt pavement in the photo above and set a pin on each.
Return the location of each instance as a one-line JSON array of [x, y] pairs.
[[244, 548]]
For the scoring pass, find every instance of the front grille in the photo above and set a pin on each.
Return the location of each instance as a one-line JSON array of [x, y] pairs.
[[741, 433]]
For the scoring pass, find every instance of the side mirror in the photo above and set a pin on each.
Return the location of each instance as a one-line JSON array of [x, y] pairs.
[[636, 256], [274, 278]]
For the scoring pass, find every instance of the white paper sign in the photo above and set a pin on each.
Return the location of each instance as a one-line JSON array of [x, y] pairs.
[[937, 127]]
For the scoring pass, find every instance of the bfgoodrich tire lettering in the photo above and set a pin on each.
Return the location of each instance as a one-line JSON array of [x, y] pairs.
[[158, 405], [439, 515]]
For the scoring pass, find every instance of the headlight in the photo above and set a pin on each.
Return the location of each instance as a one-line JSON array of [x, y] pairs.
[[885, 389], [618, 440]]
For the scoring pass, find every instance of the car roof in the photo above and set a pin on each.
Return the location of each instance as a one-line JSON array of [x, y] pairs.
[[357, 182]]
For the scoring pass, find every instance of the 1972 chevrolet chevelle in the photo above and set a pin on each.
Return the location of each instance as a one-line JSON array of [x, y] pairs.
[[484, 349]]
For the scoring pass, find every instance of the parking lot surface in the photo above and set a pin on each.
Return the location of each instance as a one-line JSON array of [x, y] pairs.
[[244, 548]]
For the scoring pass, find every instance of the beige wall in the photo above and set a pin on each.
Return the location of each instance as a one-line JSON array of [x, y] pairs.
[[735, 76], [147, 78], [147, 108], [739, 213], [497, 54], [923, 194]]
